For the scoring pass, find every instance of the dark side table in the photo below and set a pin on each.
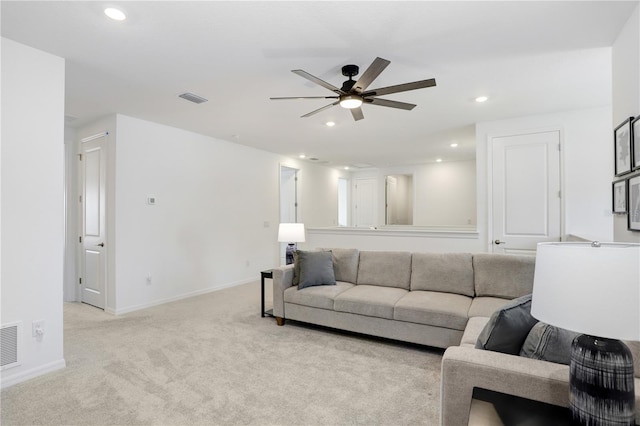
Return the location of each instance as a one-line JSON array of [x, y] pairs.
[[263, 275]]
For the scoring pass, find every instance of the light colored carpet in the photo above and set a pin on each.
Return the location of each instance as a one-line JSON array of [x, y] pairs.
[[212, 360]]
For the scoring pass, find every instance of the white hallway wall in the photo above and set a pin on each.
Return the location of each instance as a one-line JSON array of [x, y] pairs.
[[207, 230], [32, 230]]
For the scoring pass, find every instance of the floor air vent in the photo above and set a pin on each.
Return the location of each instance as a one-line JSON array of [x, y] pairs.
[[10, 345], [193, 98]]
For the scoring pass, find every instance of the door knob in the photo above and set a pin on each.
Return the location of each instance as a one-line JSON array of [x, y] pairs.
[[101, 245], [499, 242]]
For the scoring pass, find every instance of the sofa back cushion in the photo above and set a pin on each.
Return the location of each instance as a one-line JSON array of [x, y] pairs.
[[345, 264], [385, 268], [443, 272], [503, 275]]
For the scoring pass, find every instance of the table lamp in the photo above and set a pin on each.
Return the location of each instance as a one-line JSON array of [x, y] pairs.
[[593, 288], [291, 233]]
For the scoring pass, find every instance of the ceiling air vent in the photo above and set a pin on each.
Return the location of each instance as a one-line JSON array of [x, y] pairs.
[[193, 98]]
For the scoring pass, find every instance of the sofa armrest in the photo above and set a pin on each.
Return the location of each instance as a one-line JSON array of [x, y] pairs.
[[466, 368], [282, 280]]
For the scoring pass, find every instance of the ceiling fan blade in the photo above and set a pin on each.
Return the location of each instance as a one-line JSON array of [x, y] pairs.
[[320, 109], [316, 80], [304, 97], [374, 70], [357, 113], [401, 87], [390, 103]]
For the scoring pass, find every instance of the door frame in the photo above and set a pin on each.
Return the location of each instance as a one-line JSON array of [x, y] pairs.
[[80, 217], [297, 212], [489, 175]]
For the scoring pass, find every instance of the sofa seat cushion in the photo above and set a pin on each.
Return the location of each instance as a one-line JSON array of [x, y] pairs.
[[372, 301], [385, 268], [486, 306], [434, 308], [317, 296]]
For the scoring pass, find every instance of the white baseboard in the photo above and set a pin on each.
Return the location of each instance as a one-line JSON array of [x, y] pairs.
[[133, 308], [22, 376]]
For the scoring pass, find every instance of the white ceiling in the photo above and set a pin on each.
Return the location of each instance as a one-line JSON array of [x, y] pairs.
[[528, 57]]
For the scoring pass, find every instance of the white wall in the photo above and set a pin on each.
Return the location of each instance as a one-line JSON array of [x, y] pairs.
[[404, 239], [32, 204], [626, 99], [586, 180], [446, 194], [207, 230]]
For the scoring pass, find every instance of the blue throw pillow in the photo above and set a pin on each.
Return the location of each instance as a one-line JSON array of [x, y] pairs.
[[316, 268]]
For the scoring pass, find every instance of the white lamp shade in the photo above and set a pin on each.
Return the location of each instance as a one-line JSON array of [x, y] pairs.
[[291, 233], [589, 289]]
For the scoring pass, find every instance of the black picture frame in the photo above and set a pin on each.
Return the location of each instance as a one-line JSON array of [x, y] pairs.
[[619, 196], [635, 142], [622, 148], [633, 203]]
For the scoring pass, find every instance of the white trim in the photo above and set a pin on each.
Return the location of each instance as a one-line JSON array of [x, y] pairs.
[[416, 232], [32, 373]]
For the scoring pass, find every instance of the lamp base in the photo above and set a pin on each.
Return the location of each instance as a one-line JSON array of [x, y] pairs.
[[291, 247], [601, 382]]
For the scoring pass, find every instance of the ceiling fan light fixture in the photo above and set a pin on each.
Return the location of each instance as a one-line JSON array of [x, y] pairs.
[[350, 101]]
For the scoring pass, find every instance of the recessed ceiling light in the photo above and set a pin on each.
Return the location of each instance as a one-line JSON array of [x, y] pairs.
[[302, 156], [115, 14], [346, 168], [330, 123], [481, 99], [453, 145], [438, 160]]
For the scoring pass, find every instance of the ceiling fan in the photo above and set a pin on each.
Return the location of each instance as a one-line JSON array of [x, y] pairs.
[[353, 94]]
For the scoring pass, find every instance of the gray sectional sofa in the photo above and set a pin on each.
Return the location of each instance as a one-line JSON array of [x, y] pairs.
[[424, 298], [465, 368], [437, 299]]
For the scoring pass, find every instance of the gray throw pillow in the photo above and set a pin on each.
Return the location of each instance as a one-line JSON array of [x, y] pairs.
[[316, 268], [548, 343], [296, 268], [508, 327]]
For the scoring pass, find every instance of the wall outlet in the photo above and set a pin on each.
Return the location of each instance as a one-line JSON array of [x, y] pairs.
[[37, 329], [149, 278], [266, 224], [247, 263]]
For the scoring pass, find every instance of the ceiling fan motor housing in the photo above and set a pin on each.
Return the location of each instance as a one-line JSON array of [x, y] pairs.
[[349, 71]]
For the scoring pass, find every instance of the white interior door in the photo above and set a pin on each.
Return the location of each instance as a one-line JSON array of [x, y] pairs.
[[526, 207], [93, 204], [365, 202]]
